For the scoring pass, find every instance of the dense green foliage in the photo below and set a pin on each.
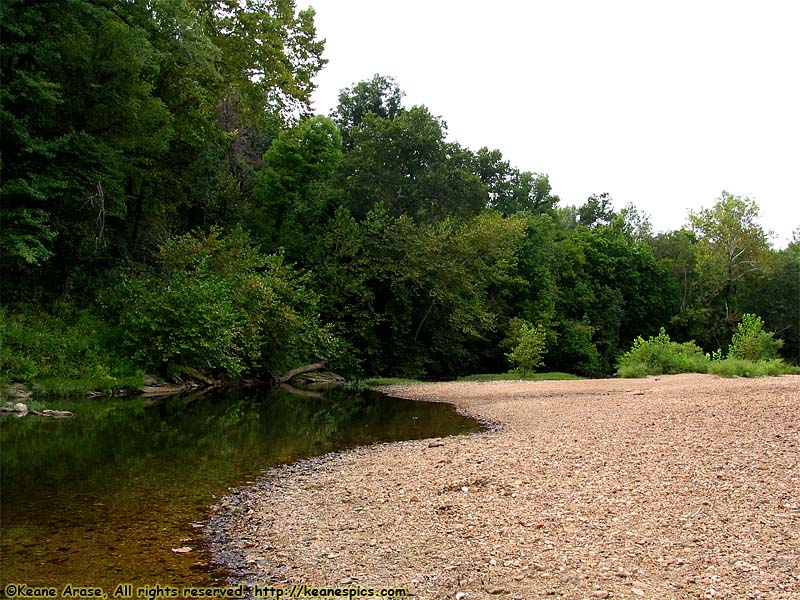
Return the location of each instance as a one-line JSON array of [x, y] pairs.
[[162, 170], [217, 304]]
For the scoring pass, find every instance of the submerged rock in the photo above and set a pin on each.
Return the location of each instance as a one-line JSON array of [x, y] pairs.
[[19, 409]]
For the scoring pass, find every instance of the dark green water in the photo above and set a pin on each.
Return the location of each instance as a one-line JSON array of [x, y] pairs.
[[103, 497]]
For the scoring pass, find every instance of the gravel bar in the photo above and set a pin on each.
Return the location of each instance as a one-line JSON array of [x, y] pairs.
[[683, 486]]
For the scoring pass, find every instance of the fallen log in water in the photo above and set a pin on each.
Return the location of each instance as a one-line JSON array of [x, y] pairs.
[[299, 371]]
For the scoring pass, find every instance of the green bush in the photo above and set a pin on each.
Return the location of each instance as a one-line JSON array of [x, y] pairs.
[[214, 303], [659, 356], [751, 342]]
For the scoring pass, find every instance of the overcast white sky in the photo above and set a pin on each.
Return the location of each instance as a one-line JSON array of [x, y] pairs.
[[662, 104]]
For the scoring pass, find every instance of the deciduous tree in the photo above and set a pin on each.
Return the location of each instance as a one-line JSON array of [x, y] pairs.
[[731, 248]]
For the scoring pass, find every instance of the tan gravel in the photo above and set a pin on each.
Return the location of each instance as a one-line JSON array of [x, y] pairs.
[[683, 486]]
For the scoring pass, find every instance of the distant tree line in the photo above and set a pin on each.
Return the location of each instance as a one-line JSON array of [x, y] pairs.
[[162, 171]]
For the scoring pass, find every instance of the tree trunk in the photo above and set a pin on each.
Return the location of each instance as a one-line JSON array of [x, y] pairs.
[[424, 318]]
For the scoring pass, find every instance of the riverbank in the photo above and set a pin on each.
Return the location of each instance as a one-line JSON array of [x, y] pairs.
[[672, 487]]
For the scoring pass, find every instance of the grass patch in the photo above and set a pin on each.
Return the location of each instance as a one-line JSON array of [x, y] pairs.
[[551, 376], [735, 367], [61, 353], [64, 386], [383, 381]]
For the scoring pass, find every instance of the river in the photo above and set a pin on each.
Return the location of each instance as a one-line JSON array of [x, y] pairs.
[[104, 497]]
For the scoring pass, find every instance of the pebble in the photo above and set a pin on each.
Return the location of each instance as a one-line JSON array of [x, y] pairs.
[[495, 590]]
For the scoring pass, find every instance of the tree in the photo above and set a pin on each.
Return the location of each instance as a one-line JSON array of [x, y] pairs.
[[345, 277], [292, 189], [676, 250], [610, 288], [78, 114], [414, 298], [730, 243], [509, 190], [379, 96], [269, 58], [270, 55], [405, 164], [113, 129], [775, 295], [533, 292], [731, 249], [597, 211]]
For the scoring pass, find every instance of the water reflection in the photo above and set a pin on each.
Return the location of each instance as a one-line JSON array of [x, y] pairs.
[[103, 497]]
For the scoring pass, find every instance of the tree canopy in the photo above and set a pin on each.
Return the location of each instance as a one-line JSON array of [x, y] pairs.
[[162, 168]]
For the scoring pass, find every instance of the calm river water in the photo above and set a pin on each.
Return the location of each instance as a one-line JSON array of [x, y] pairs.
[[103, 497]]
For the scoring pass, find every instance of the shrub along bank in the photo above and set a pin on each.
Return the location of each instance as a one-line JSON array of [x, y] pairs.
[[753, 352]]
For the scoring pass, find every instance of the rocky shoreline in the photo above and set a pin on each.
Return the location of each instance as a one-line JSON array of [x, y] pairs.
[[674, 487]]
